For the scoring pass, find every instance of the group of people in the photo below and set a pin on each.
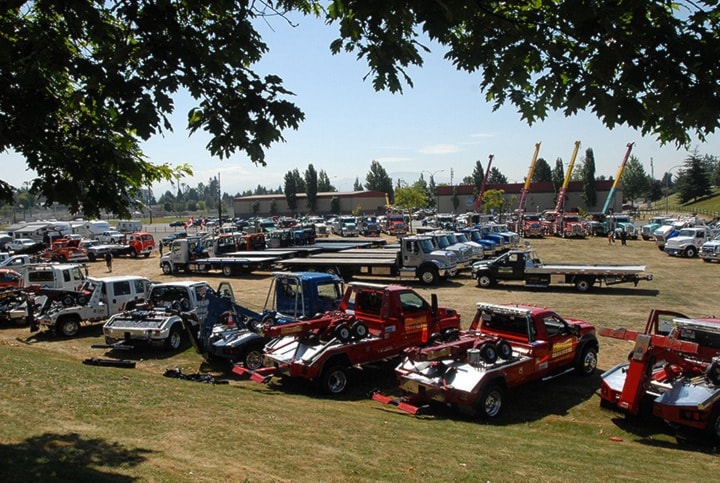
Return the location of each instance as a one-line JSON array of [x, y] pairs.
[[623, 237]]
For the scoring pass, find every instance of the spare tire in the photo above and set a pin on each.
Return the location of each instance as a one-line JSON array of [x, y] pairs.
[[488, 353]]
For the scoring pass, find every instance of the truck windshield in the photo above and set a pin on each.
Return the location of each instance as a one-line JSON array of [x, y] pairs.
[[442, 241], [426, 246]]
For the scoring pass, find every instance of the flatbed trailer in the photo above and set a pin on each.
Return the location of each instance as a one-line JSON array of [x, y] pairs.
[[416, 259], [231, 265]]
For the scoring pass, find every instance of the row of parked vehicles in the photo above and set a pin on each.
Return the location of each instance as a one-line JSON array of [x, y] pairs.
[[317, 328], [684, 237]]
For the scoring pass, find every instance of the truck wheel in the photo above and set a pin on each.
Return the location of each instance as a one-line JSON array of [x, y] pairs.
[[690, 252], [484, 281], [252, 359], [450, 335], [334, 380], [359, 330], [68, 301], [713, 373], [147, 254], [587, 362], [429, 275], [227, 270], [133, 253], [488, 353], [67, 327], [583, 284], [92, 257], [504, 349], [175, 338], [491, 401], [713, 427], [167, 269], [342, 332]]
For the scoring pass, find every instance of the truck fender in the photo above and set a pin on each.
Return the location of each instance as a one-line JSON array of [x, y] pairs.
[[587, 342]]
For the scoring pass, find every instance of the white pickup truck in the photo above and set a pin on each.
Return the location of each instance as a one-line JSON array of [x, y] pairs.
[[105, 297], [157, 322]]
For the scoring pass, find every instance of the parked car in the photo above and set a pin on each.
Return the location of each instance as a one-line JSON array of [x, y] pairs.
[[112, 236], [20, 244], [167, 240], [9, 279], [177, 223]]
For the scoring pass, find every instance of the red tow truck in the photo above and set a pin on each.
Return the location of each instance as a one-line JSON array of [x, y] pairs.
[[505, 346], [373, 323], [675, 365]]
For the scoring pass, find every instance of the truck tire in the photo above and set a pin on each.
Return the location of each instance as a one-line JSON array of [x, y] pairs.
[[712, 373], [713, 427], [167, 269], [334, 380], [67, 326], [488, 353], [92, 257], [252, 358], [227, 270], [147, 254], [491, 401], [175, 339], [691, 252], [587, 362], [584, 284], [359, 330], [133, 253], [342, 332], [484, 281], [428, 275], [504, 349]]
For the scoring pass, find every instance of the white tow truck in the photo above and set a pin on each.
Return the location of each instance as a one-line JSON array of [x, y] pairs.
[[103, 298]]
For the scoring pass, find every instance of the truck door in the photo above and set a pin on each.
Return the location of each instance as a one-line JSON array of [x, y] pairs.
[[511, 267], [410, 253], [561, 342], [414, 319]]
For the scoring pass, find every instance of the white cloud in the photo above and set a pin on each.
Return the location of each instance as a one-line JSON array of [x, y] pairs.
[[440, 149]]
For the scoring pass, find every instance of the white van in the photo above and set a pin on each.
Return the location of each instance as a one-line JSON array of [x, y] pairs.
[[128, 226]]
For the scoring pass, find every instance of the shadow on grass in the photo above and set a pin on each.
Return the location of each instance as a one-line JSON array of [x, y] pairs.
[[527, 403], [648, 428], [45, 334], [569, 289], [67, 457]]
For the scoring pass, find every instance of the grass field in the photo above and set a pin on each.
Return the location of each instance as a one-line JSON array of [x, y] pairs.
[[61, 420]]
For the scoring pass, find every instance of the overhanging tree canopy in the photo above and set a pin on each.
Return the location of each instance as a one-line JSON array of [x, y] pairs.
[[85, 81]]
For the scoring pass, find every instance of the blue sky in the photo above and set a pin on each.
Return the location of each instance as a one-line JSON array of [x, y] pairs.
[[443, 125]]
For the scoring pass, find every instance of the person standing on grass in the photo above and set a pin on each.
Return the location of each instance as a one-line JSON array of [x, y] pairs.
[[108, 261]]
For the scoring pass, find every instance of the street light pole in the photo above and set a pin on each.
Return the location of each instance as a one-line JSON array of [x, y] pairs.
[[432, 180]]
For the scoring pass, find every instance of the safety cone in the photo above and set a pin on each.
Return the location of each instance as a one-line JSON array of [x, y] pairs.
[[231, 320]]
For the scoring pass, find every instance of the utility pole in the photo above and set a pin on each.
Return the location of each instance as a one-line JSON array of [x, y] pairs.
[[219, 202]]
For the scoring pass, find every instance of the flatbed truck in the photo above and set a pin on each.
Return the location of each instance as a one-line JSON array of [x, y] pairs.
[[525, 265], [182, 257]]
